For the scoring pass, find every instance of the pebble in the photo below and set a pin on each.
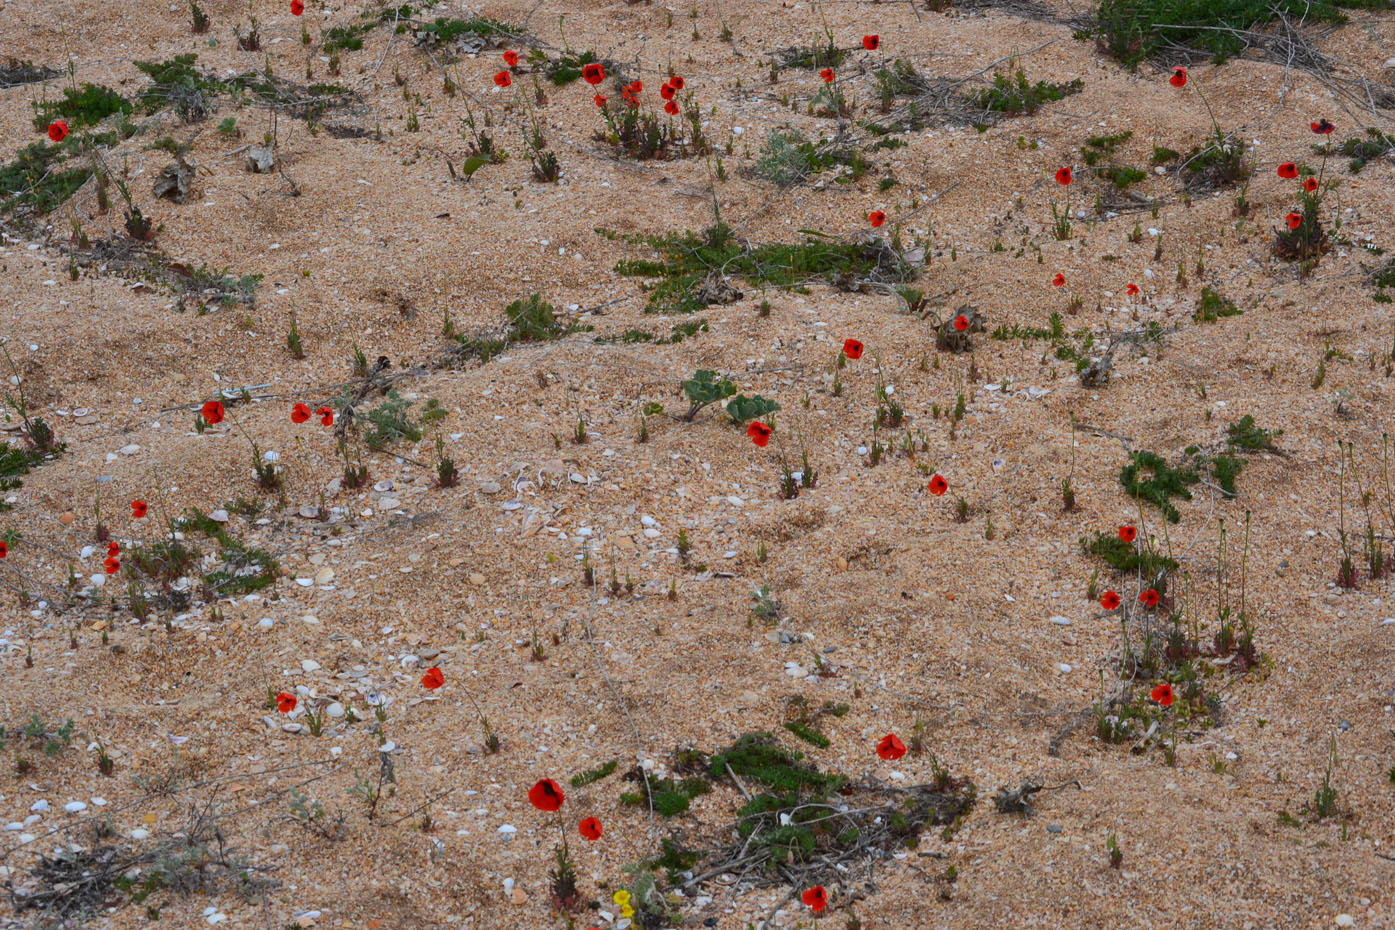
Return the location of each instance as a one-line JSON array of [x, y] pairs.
[[1060, 620], [75, 807], [1053, 828], [140, 833], [132, 449], [218, 516], [795, 670], [1345, 920], [508, 830], [309, 665], [39, 807]]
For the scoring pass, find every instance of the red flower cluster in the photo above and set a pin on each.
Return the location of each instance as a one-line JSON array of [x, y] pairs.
[[1179, 77], [876, 218], [1128, 533], [961, 322], [816, 898], [590, 829], [212, 412], [827, 75], [852, 349], [57, 130], [871, 43], [511, 58], [139, 509], [1149, 598], [759, 433], [1110, 601], [1322, 127], [297, 7], [300, 413], [4, 549], [1162, 694], [938, 485], [1131, 290], [1064, 176], [503, 79], [630, 92], [433, 679], [1059, 280], [285, 702], [1294, 220], [593, 74], [1288, 170]]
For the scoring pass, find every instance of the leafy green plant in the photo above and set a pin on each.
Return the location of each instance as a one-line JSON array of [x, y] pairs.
[[1012, 94], [81, 107], [1213, 307], [705, 387], [1149, 478], [390, 423], [743, 409], [1134, 30]]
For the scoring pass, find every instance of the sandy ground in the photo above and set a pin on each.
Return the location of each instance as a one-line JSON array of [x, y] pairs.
[[916, 618]]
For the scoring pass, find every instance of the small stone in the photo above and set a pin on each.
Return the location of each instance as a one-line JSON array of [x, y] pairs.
[[1345, 920], [75, 807], [218, 516], [1060, 620], [1053, 828], [309, 665], [324, 575], [491, 487], [518, 896], [476, 579], [66, 518]]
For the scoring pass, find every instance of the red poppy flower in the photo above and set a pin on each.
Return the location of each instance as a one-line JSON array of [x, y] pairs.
[[285, 702], [827, 75], [961, 322], [1288, 170], [1059, 280], [1179, 77], [1310, 185], [57, 130], [300, 413], [816, 898], [1128, 533], [677, 82], [600, 101], [759, 433], [590, 828], [326, 416], [938, 485], [503, 79], [667, 91], [671, 108], [1131, 290], [876, 218], [212, 412], [1064, 176], [546, 795], [891, 747], [637, 87], [1162, 694], [1110, 601], [112, 565], [4, 549], [871, 42], [1149, 598], [1322, 127], [1294, 220], [593, 74], [511, 59], [139, 509], [852, 349], [297, 7], [433, 679], [113, 550]]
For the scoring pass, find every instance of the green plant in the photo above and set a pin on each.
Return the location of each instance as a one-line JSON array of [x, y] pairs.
[[591, 776], [293, 339], [1116, 855], [705, 387], [1013, 94], [199, 20], [743, 409], [1149, 478], [1325, 798], [1134, 30], [81, 107], [390, 423]]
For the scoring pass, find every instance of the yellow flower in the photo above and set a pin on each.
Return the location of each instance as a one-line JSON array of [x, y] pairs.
[[622, 899]]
